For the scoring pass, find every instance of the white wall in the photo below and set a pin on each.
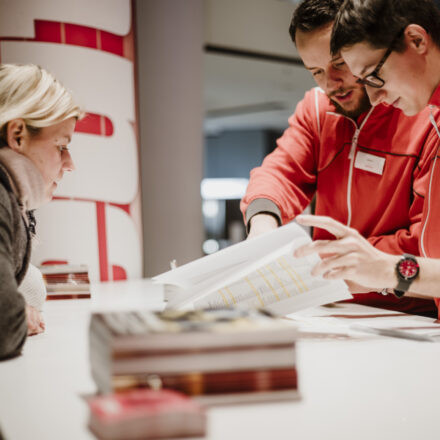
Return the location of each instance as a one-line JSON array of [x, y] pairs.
[[254, 25], [170, 56]]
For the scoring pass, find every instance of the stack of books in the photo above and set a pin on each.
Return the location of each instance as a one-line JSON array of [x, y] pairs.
[[218, 356], [66, 281], [145, 414]]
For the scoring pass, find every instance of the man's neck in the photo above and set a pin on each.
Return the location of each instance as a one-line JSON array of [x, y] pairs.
[[432, 76]]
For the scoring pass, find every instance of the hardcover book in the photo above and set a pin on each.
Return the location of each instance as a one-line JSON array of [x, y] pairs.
[[66, 281], [145, 414], [219, 356]]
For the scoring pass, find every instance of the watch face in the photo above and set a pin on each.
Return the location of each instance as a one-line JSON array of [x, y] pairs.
[[408, 268]]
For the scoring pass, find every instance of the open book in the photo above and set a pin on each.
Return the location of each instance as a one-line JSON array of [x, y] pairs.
[[260, 272]]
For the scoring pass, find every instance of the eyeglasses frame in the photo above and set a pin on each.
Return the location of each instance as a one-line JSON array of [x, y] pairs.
[[365, 81]]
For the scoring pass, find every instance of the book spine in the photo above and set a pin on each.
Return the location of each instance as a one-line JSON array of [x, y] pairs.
[[73, 295], [225, 360], [199, 383]]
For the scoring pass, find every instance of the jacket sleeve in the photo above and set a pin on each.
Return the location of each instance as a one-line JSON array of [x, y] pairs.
[[13, 326], [287, 177], [408, 240]]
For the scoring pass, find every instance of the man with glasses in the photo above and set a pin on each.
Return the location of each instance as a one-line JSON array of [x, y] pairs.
[[393, 48], [362, 163]]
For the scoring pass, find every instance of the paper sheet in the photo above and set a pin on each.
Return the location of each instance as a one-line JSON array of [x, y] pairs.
[[357, 319], [260, 272]]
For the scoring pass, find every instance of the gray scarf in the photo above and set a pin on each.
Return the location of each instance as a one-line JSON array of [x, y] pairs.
[[25, 178]]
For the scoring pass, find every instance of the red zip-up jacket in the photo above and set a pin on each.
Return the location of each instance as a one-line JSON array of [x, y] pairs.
[[430, 238], [368, 174]]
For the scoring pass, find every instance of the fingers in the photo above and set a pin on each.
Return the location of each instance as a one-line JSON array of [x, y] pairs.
[[35, 327], [35, 321], [326, 247], [327, 223], [342, 273], [311, 248], [334, 264], [35, 331]]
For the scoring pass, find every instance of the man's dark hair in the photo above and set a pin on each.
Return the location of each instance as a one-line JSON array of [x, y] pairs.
[[313, 14], [378, 22]]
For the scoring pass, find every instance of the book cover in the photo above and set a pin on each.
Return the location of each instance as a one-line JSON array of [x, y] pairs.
[[145, 414]]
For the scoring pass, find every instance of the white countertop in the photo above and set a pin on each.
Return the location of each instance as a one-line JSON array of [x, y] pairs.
[[369, 387]]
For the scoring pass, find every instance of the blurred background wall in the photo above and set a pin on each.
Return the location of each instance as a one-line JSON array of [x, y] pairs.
[[208, 85]]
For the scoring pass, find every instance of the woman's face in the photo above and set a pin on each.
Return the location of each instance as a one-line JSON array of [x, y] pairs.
[[49, 153], [408, 82]]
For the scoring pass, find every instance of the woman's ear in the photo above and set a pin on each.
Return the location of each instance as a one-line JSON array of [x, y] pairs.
[[417, 37], [15, 134]]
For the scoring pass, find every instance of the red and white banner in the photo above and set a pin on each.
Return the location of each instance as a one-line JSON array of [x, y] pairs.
[[95, 217]]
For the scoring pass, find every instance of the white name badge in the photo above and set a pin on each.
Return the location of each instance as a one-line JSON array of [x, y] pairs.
[[369, 162]]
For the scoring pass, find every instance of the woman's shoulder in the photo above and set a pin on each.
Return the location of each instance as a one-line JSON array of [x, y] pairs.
[[8, 200], [5, 179], [5, 193]]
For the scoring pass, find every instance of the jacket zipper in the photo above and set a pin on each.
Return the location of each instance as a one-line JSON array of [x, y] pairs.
[[351, 157], [422, 236]]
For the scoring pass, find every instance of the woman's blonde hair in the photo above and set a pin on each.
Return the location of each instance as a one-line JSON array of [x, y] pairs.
[[34, 95]]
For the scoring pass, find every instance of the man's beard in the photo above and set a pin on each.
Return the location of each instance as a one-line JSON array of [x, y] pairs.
[[363, 105]]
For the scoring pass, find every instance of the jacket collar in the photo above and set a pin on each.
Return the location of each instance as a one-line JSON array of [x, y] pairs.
[[435, 98], [26, 181]]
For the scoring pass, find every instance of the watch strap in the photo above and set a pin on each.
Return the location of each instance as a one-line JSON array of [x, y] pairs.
[[399, 293]]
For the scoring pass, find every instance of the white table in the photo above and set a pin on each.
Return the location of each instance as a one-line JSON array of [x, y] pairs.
[[367, 388]]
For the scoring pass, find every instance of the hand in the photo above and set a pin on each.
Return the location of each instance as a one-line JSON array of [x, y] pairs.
[[357, 288], [35, 321], [260, 224], [350, 256]]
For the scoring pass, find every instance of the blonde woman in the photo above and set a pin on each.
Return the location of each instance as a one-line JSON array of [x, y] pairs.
[[37, 120]]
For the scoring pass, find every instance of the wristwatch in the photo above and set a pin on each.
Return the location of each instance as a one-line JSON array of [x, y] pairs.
[[407, 270]]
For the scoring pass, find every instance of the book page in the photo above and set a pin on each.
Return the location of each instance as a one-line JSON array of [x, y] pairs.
[[282, 286], [260, 272], [233, 258]]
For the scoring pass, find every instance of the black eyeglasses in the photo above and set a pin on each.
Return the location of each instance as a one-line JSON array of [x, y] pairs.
[[373, 79]]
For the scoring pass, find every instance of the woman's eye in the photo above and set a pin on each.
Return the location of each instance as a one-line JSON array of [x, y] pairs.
[[339, 65], [317, 72]]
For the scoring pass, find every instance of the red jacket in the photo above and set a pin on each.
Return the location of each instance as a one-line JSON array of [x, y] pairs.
[[319, 154], [430, 238]]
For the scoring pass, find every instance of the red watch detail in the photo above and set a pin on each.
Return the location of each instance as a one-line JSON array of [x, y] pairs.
[[408, 269]]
